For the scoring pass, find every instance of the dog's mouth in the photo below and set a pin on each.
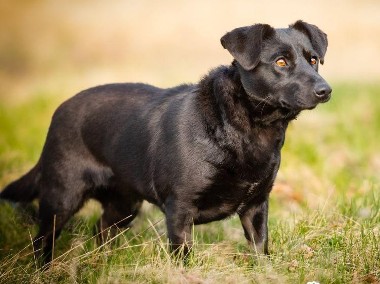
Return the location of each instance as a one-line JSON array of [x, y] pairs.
[[325, 99]]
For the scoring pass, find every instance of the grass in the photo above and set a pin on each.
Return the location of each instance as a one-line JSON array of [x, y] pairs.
[[324, 220]]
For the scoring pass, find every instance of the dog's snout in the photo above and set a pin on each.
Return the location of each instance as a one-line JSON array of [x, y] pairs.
[[322, 91]]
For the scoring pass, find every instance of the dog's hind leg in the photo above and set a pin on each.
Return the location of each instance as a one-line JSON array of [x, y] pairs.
[[119, 210], [57, 204]]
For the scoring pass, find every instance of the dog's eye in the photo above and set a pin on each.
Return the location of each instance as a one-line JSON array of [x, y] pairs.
[[313, 61], [281, 62]]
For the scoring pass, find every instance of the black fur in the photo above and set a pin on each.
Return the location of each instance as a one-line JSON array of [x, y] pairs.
[[199, 152]]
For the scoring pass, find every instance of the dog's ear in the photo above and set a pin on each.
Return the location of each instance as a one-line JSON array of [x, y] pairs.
[[245, 43], [317, 38]]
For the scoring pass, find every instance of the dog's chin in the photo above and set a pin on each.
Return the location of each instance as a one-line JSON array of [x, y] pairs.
[[298, 107], [313, 105], [309, 106]]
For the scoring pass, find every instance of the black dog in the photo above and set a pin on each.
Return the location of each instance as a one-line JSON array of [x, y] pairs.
[[199, 152]]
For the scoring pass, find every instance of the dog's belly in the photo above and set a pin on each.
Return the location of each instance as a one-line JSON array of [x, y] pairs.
[[222, 201], [215, 213]]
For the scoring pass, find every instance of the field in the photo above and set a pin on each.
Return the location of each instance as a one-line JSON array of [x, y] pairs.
[[324, 221]]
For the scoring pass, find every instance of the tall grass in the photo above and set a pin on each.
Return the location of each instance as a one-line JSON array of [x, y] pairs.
[[324, 220]]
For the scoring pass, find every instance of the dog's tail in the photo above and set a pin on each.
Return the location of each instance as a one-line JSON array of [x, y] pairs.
[[24, 189]]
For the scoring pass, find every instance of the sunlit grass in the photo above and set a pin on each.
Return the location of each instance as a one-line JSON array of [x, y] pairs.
[[324, 213]]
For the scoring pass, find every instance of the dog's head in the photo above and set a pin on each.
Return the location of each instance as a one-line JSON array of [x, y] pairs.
[[280, 66]]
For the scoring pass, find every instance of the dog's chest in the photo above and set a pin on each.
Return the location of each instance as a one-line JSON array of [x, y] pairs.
[[231, 192], [263, 145], [240, 182]]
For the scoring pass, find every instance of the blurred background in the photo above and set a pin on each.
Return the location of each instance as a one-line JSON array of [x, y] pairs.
[[61, 47], [327, 191]]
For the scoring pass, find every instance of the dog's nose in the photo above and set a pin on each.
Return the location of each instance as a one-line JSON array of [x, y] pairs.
[[322, 91]]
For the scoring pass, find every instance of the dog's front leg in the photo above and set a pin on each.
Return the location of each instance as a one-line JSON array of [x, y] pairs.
[[179, 223], [255, 225]]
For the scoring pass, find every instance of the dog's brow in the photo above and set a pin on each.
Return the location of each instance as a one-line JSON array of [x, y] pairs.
[[284, 51], [306, 53]]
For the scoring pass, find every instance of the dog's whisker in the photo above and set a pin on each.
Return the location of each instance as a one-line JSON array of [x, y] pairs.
[[263, 101]]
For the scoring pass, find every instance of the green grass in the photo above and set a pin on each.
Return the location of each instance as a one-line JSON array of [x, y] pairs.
[[324, 210]]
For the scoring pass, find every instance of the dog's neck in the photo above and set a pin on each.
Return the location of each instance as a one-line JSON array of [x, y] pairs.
[[244, 132], [222, 98]]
